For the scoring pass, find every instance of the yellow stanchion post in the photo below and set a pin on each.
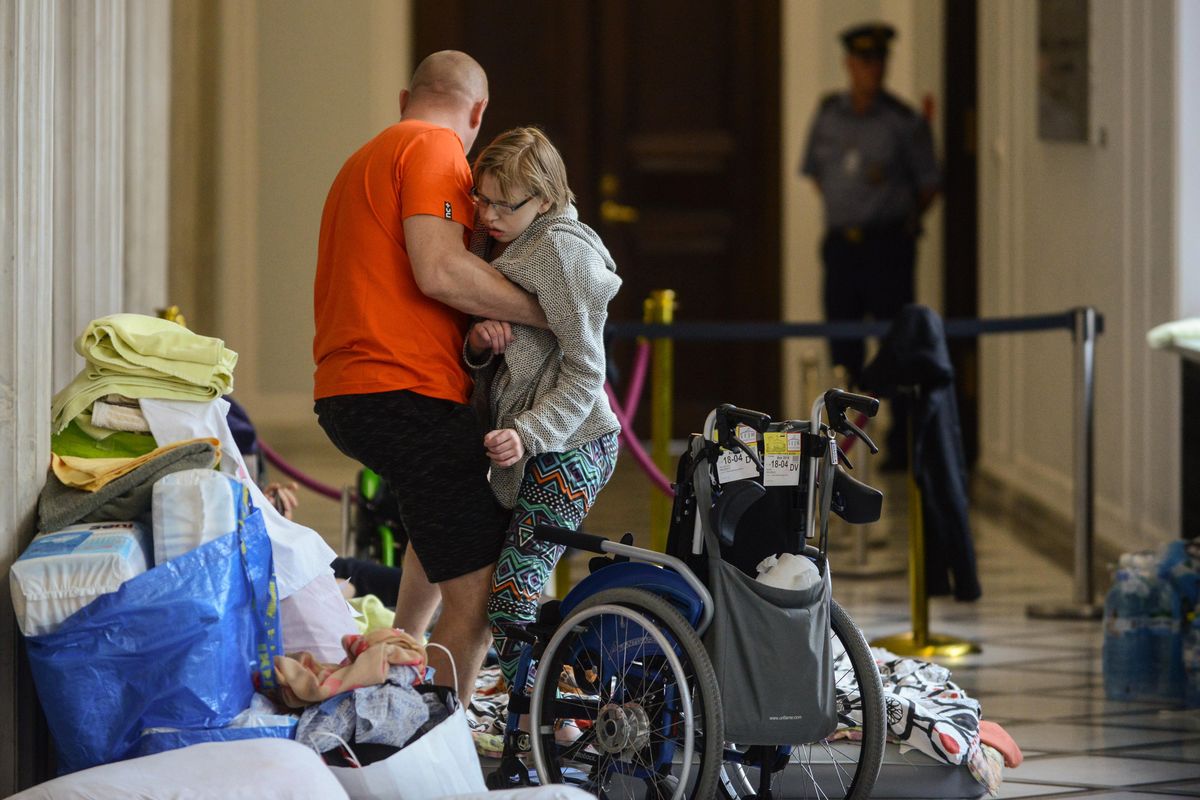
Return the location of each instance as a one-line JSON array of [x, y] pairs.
[[919, 641], [562, 578], [659, 308], [173, 314]]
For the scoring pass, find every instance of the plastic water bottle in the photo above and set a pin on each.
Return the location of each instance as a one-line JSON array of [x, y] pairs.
[[1128, 649], [1164, 624], [1191, 661], [1180, 567]]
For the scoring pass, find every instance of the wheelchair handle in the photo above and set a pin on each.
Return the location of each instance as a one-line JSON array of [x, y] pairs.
[[838, 400], [754, 419]]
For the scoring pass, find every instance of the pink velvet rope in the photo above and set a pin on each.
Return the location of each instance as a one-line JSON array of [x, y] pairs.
[[308, 482], [637, 377], [635, 446]]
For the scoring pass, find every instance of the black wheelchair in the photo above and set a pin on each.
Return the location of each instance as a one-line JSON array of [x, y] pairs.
[[677, 674]]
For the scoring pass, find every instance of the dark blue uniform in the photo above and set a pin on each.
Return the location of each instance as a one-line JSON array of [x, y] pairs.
[[871, 169]]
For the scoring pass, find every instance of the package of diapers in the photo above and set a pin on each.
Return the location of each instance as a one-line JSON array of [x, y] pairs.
[[190, 508], [61, 572]]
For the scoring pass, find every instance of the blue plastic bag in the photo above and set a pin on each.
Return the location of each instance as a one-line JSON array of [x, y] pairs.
[[159, 742], [183, 645]]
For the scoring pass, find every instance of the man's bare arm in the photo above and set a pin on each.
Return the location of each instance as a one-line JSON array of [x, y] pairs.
[[446, 271]]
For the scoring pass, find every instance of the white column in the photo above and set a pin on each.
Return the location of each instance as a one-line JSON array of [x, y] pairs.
[[89, 207], [28, 35], [147, 151]]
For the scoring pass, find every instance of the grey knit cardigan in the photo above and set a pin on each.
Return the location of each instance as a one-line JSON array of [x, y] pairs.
[[549, 384]]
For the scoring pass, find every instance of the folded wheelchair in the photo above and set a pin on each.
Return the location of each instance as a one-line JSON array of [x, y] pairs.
[[678, 674]]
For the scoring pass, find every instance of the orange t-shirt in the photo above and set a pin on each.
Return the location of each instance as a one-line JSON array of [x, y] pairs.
[[376, 331]]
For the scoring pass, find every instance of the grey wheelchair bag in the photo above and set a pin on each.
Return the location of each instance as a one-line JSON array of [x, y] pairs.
[[770, 648]]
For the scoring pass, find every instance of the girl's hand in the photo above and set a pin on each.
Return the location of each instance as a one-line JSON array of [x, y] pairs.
[[504, 447], [490, 334]]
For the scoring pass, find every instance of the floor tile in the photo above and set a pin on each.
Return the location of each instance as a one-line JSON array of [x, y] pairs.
[[1007, 708], [1172, 751], [998, 654], [1124, 795], [1187, 789], [1184, 721], [1079, 738], [1103, 771], [1012, 789], [1012, 680]]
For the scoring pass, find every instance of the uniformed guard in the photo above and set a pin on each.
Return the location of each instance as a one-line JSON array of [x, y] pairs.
[[871, 157]]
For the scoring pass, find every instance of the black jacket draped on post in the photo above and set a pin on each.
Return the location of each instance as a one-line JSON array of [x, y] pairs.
[[914, 354]]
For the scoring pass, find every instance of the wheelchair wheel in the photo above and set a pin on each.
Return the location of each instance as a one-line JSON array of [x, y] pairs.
[[831, 768], [626, 702]]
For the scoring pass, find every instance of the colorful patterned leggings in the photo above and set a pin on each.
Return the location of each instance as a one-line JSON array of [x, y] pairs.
[[558, 489]]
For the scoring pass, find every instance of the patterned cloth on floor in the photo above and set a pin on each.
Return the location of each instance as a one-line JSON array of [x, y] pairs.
[[487, 713], [926, 711]]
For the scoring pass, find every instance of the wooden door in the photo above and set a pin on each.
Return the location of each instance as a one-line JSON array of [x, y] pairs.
[[667, 115]]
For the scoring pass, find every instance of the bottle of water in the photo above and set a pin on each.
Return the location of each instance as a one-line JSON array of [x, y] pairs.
[[1126, 650], [1164, 622], [1181, 568], [1191, 661]]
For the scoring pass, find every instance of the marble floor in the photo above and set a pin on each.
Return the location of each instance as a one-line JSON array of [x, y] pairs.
[[1040, 679]]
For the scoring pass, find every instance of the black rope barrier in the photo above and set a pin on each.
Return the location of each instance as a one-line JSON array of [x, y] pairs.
[[768, 331], [1084, 324]]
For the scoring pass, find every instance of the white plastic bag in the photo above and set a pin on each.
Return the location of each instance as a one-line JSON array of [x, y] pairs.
[[788, 571], [441, 763]]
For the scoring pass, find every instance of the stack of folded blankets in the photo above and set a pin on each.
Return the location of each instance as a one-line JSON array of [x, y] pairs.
[[94, 512], [139, 356], [148, 404], [104, 458]]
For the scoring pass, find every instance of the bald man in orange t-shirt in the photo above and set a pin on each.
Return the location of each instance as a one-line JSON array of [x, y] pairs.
[[394, 288]]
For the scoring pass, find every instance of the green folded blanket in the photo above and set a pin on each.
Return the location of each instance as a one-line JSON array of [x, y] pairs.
[[74, 440]]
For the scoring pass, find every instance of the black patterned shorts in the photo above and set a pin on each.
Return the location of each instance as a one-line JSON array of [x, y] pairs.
[[431, 452]]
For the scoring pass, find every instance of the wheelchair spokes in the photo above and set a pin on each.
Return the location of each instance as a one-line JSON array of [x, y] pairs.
[[648, 720]]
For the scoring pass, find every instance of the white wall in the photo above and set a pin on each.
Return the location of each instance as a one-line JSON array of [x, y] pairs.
[[302, 84], [1064, 224], [812, 67]]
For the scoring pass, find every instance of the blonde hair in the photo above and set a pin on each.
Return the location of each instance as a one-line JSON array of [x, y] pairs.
[[524, 159]]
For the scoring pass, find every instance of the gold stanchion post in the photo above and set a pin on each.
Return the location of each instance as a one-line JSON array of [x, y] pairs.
[[920, 642], [659, 308]]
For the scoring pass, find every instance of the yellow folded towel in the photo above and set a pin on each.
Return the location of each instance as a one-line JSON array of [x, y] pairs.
[[140, 356], [136, 344], [90, 474]]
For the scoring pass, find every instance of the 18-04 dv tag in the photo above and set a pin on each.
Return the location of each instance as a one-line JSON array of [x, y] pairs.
[[781, 458], [735, 465]]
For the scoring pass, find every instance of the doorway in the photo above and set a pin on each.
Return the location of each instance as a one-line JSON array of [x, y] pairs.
[[961, 202], [667, 116]]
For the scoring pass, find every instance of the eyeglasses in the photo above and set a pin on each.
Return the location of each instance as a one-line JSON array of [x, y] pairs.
[[484, 202]]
